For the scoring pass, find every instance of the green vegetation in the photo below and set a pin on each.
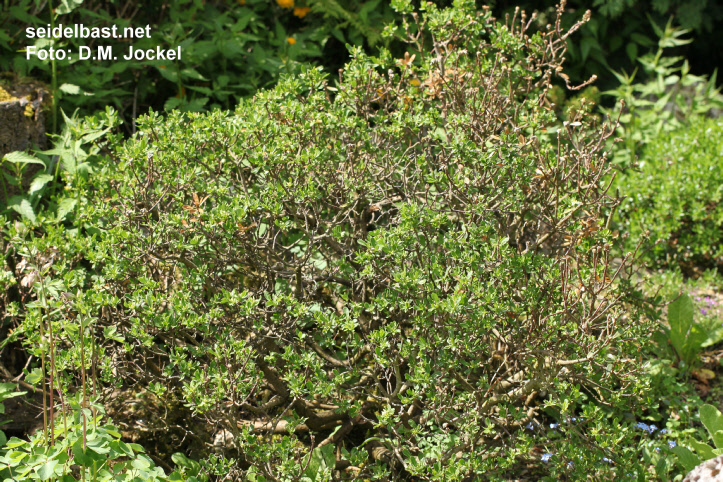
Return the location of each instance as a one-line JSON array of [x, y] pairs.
[[676, 196], [230, 49], [431, 267]]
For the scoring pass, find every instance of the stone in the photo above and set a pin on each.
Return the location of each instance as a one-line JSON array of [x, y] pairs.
[[709, 471], [22, 126]]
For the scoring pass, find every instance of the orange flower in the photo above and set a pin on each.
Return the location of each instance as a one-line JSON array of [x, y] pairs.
[[242, 2], [301, 11], [291, 40], [285, 3], [407, 60]]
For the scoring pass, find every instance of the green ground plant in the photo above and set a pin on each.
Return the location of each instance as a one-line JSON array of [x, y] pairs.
[[675, 195], [687, 333]]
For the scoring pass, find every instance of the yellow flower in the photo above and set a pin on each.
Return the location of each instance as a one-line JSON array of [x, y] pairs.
[[285, 3], [301, 11], [291, 40]]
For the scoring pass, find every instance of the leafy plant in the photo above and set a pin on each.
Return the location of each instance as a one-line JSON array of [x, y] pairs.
[[676, 196], [712, 420], [404, 264], [620, 31], [7, 390], [229, 49], [56, 189], [91, 452], [684, 334], [668, 98]]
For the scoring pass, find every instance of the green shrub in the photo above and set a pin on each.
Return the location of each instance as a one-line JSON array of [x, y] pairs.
[[676, 195], [411, 267]]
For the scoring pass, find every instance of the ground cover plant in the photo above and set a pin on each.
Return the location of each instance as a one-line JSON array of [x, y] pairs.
[[405, 274], [675, 195]]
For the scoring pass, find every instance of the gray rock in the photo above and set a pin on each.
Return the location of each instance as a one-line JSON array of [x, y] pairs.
[[709, 471]]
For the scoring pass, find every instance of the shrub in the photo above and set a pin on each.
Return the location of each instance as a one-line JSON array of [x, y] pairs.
[[676, 195], [411, 267]]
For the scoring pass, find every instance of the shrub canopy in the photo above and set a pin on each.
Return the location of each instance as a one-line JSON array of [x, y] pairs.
[[411, 266]]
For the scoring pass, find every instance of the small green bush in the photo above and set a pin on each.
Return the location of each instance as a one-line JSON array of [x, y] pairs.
[[411, 267], [676, 194]]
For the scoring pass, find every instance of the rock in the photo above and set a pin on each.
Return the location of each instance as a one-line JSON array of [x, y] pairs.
[[22, 125], [709, 471], [223, 440]]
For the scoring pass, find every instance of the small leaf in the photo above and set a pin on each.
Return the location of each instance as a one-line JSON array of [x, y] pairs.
[[64, 207], [70, 89], [172, 103], [686, 458], [47, 470], [704, 450]]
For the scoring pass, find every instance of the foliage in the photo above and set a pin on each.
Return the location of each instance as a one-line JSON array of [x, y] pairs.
[[229, 49], [84, 451], [7, 390], [67, 166], [712, 420], [620, 30], [676, 195], [668, 99], [686, 335], [411, 267]]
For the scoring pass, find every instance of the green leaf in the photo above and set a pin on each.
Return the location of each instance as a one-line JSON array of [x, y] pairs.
[[15, 442], [327, 451], [172, 103], [686, 458], [70, 89], [141, 462], [25, 209], [67, 6], [686, 337], [193, 74], [136, 448], [705, 450], [632, 50], [586, 45], [65, 206], [39, 182], [19, 157], [7, 390], [712, 420], [87, 456], [47, 470]]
